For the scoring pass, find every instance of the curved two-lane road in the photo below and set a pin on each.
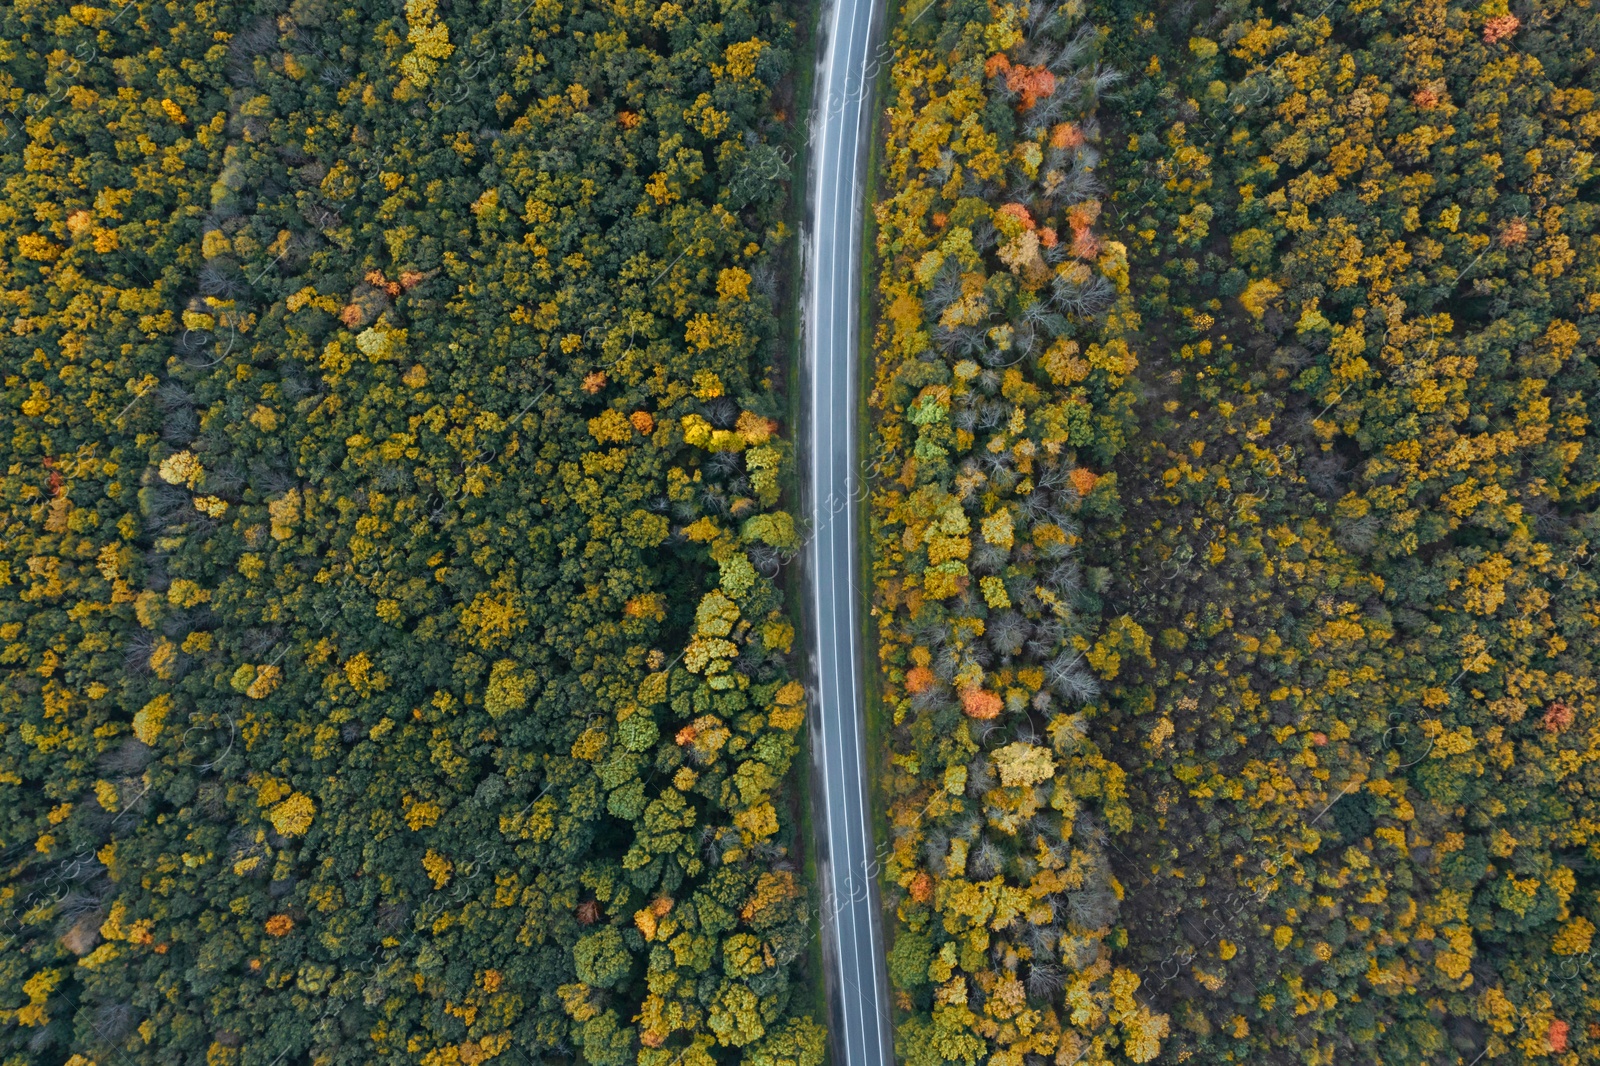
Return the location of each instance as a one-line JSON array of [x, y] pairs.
[[852, 921]]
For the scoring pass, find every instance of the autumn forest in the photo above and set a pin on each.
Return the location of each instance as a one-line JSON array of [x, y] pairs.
[[403, 642]]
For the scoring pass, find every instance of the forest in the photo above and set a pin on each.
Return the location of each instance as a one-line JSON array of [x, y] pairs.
[[1002, 355], [396, 653], [394, 418], [1233, 531]]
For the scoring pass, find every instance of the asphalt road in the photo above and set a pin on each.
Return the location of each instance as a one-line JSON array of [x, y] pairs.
[[852, 919]]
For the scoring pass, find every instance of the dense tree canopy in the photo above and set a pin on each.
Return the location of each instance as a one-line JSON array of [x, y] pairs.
[[1001, 360], [1335, 611], [1360, 527], [393, 664], [394, 660]]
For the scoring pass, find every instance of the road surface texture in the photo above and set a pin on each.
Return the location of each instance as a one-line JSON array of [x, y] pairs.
[[852, 921]]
